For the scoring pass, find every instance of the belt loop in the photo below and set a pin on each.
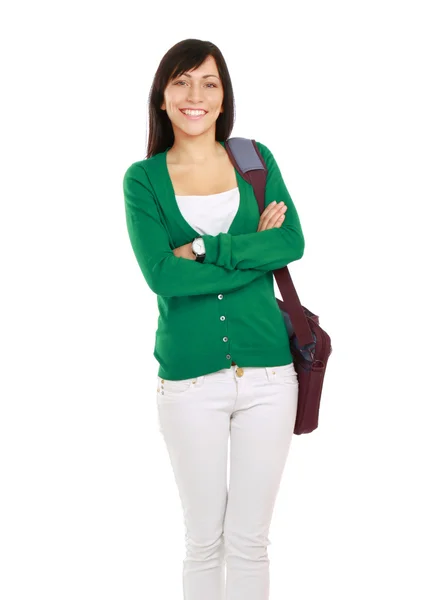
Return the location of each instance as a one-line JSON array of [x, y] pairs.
[[271, 373]]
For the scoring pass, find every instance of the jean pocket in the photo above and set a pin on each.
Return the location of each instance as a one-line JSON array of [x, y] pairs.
[[287, 374], [291, 378], [170, 386]]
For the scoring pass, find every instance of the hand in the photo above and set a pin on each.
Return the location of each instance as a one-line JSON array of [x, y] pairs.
[[185, 252], [272, 216]]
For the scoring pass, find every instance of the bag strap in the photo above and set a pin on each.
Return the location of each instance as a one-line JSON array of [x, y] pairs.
[[250, 164]]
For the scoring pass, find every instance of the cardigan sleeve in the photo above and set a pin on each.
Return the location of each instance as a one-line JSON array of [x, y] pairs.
[[165, 273], [264, 250]]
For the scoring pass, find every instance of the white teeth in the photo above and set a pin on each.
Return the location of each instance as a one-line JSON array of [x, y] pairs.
[[193, 113]]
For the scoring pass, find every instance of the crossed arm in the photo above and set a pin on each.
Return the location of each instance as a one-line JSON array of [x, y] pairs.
[[231, 262]]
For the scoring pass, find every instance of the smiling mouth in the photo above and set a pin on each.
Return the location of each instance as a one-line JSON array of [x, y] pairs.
[[195, 116]]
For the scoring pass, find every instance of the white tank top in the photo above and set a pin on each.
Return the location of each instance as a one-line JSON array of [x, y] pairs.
[[210, 214]]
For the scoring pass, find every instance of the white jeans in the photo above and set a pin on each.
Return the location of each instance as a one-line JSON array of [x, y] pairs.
[[227, 527]]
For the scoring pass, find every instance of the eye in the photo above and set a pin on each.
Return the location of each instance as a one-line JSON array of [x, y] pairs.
[[182, 81]]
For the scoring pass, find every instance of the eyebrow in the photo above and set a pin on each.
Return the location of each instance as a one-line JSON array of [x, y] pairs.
[[203, 77]]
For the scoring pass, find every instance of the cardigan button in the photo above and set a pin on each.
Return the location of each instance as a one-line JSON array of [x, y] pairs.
[[223, 318], [225, 339], [220, 296]]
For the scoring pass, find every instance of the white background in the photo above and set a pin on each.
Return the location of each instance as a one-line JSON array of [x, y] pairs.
[[347, 95]]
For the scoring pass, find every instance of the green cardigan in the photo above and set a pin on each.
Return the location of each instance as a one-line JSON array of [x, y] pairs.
[[225, 308]]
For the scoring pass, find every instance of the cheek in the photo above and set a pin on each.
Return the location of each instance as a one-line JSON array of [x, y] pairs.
[[173, 98], [173, 107], [217, 100]]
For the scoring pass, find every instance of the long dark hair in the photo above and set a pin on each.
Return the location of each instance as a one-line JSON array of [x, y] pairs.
[[182, 57]]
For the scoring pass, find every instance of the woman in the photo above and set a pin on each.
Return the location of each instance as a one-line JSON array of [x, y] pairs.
[[225, 366]]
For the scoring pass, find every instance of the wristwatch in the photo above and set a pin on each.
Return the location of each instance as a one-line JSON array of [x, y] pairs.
[[199, 249]]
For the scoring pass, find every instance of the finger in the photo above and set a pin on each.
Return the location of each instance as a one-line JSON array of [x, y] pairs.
[[269, 206], [272, 225], [275, 217], [270, 216], [274, 211], [268, 213]]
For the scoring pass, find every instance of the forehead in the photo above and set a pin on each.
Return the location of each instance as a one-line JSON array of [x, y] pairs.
[[208, 67]]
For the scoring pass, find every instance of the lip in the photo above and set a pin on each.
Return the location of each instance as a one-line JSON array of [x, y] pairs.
[[193, 118]]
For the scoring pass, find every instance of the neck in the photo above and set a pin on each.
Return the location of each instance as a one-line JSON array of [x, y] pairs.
[[195, 150]]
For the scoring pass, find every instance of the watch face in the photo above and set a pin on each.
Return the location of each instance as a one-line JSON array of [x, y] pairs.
[[198, 246]]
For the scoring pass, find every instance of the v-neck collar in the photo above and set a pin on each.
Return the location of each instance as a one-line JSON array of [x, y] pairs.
[[169, 196]]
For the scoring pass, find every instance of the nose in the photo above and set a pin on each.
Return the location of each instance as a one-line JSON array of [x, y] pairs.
[[194, 94]]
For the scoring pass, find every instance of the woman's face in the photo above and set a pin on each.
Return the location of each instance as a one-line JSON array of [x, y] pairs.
[[200, 89]]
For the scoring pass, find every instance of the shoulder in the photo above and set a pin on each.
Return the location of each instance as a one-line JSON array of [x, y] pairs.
[[139, 170], [265, 150], [136, 184], [268, 156], [261, 146], [136, 169], [270, 160]]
